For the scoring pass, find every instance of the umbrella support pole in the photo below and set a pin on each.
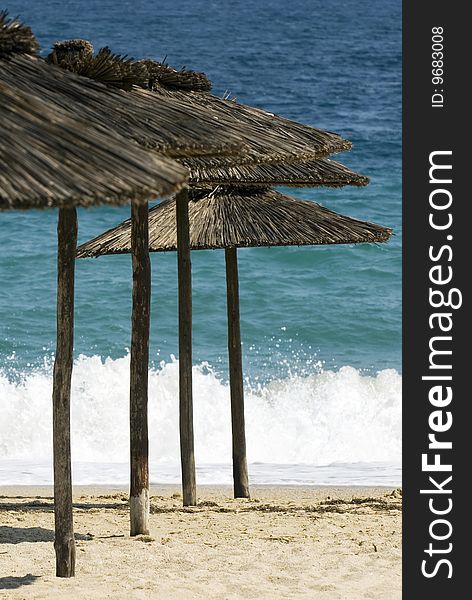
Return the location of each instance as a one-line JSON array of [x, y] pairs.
[[64, 543], [139, 363], [240, 473], [187, 456]]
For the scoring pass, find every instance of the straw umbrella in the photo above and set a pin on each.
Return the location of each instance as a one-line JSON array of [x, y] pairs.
[[176, 123], [50, 157], [171, 127], [234, 217], [268, 138], [231, 218]]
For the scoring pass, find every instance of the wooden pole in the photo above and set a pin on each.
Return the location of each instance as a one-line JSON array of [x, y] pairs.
[[64, 543], [240, 473], [187, 456], [139, 363]]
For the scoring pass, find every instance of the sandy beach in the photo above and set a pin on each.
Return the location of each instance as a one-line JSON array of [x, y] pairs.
[[284, 543]]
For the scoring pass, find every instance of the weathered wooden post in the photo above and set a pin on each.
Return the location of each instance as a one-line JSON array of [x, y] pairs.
[[187, 456], [139, 363], [64, 543], [240, 473]]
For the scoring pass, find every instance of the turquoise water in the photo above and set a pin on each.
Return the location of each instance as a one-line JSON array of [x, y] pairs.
[[304, 311]]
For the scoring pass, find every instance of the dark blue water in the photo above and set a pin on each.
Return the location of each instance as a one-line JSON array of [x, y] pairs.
[[332, 65]]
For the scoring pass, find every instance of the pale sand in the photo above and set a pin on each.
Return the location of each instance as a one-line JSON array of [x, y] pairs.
[[286, 542]]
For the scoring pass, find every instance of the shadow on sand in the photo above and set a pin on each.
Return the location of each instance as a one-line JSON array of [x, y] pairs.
[[12, 583], [18, 535], [42, 505]]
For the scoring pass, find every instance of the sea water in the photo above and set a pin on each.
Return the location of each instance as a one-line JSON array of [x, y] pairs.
[[321, 327]]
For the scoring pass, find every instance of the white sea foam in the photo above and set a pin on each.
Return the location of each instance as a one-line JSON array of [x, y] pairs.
[[299, 430]]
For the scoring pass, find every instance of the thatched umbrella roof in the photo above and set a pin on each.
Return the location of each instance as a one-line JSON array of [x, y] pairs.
[[229, 217], [270, 137], [49, 158], [171, 127], [323, 172], [267, 137]]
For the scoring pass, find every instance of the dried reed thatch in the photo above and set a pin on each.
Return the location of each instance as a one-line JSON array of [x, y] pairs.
[[111, 69], [271, 138], [15, 37], [268, 138], [49, 158], [172, 127], [223, 218], [123, 72], [169, 126], [323, 172], [161, 74]]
